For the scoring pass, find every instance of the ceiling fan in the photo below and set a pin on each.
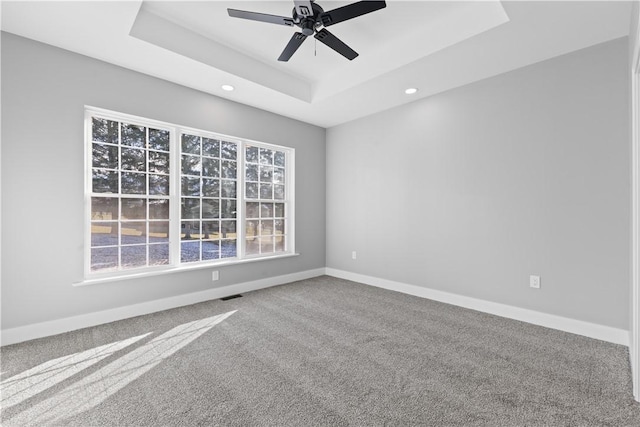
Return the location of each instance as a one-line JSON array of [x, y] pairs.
[[310, 17]]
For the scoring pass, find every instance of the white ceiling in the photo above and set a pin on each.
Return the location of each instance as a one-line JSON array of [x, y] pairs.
[[434, 46]]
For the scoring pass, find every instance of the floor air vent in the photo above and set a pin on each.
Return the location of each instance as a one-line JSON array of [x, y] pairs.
[[231, 297]]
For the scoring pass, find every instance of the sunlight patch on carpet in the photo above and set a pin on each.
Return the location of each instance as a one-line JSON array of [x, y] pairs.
[[31, 382], [94, 388]]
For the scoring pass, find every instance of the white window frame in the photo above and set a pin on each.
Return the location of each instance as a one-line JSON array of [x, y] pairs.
[[175, 265]]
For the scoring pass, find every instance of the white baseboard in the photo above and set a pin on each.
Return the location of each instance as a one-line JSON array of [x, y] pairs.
[[591, 330], [54, 327]]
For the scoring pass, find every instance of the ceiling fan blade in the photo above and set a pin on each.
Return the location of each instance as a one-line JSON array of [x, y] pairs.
[[336, 44], [292, 46], [262, 17], [350, 11], [303, 8]]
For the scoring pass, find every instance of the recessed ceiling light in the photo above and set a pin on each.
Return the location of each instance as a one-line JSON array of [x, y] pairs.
[[411, 91], [228, 88]]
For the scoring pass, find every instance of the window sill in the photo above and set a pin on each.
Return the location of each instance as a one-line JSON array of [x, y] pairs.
[[168, 270]]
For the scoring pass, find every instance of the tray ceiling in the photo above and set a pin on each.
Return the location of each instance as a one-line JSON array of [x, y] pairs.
[[434, 46]]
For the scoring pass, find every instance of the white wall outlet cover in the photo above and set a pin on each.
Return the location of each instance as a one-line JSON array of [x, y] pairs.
[[215, 275], [534, 282]]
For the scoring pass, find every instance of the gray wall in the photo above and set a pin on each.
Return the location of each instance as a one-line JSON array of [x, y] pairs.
[[44, 90], [472, 190]]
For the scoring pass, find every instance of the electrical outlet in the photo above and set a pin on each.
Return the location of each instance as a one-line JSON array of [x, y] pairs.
[[215, 275], [534, 282], [353, 255]]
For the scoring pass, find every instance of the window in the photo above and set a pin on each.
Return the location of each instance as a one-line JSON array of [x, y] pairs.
[[208, 201], [265, 171], [129, 195], [161, 196]]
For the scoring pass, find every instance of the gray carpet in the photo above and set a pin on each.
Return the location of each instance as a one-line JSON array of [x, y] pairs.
[[323, 351]]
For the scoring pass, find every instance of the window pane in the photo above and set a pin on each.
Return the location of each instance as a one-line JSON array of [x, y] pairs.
[[105, 156], [158, 209], [278, 175], [266, 174], [133, 160], [210, 167], [266, 245], [228, 189], [104, 181], [190, 251], [252, 246], [279, 226], [252, 190], [104, 233], [266, 210], [104, 208], [210, 147], [279, 213], [211, 249], [252, 210], [251, 172], [251, 239], [251, 154], [133, 183], [134, 256], [190, 208], [133, 233], [158, 255], [211, 230], [228, 248], [133, 135], [191, 144], [266, 227], [251, 229], [159, 139], [210, 208], [134, 209], [104, 130], [104, 259], [228, 150], [266, 156], [266, 191], [228, 169], [210, 187], [190, 186], [229, 229], [159, 185], [191, 165], [279, 159], [158, 231], [228, 209], [278, 192], [190, 230], [279, 246], [158, 162]]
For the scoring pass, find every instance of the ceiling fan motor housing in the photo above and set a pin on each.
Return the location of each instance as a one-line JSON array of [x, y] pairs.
[[308, 22]]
